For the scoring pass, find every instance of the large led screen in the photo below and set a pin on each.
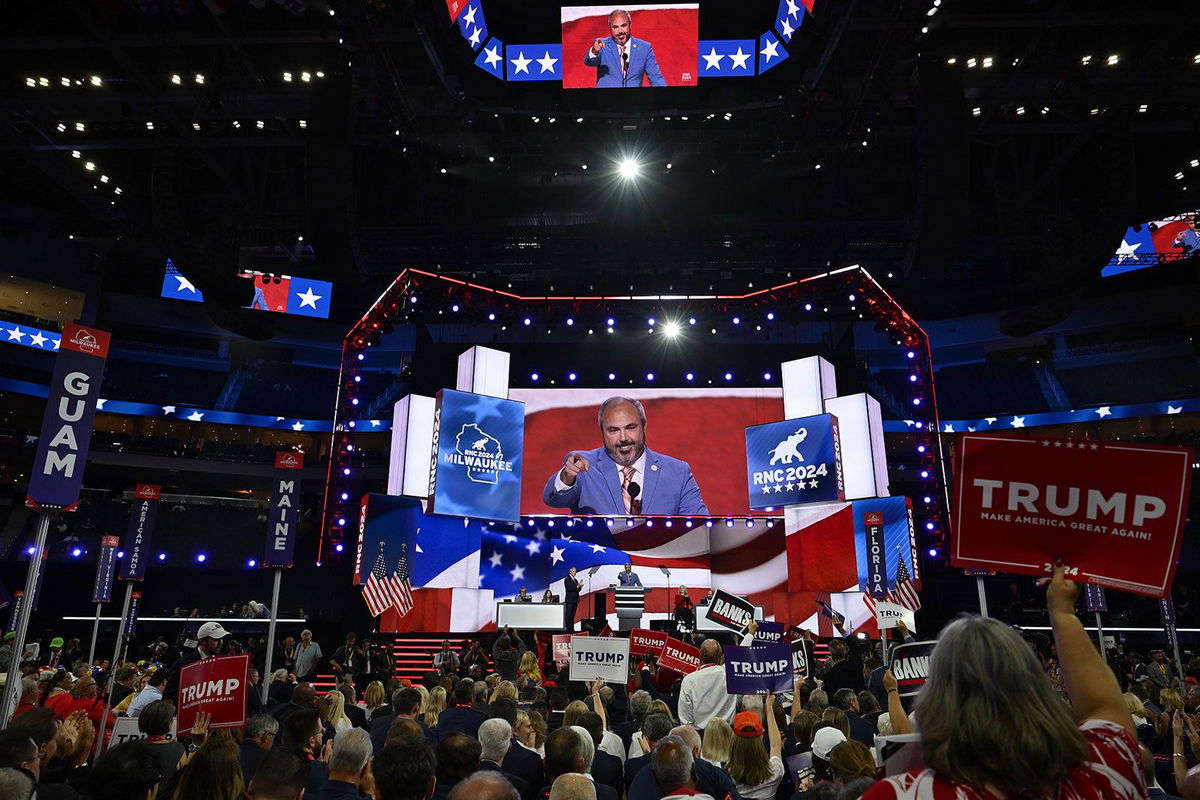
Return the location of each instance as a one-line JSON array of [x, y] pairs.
[[704, 427], [614, 47], [1152, 243], [283, 294]]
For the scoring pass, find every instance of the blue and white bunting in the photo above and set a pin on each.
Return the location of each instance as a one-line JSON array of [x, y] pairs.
[[309, 298], [491, 58], [29, 336], [789, 18], [178, 287], [534, 62], [472, 25], [771, 52], [726, 58]]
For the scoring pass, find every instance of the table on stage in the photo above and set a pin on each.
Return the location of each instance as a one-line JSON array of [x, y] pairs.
[[531, 616]]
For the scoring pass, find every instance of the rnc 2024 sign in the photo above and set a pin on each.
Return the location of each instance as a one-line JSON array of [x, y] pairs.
[[1111, 512]]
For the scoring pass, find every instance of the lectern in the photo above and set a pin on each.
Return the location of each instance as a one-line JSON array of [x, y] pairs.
[[630, 603]]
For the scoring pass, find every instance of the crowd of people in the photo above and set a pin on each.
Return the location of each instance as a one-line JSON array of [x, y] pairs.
[[1000, 715]]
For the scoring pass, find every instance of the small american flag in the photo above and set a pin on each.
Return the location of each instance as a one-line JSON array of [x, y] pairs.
[[904, 594], [375, 590], [400, 586]]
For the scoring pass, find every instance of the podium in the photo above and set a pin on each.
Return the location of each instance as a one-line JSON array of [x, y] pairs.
[[630, 604]]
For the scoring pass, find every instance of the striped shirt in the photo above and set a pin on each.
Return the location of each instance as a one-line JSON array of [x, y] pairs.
[[1113, 772]]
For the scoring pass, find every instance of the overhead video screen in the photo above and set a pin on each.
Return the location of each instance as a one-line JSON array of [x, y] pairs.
[[615, 47], [704, 427], [283, 294], [1152, 243]]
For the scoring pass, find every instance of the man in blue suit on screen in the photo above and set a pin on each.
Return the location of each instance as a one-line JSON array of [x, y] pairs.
[[621, 60], [623, 476]]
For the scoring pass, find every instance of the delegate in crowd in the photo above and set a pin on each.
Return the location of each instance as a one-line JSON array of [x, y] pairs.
[[999, 716]]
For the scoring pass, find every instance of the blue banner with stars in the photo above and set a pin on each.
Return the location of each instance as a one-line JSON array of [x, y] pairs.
[[534, 62], [491, 58], [771, 52], [789, 18], [472, 25], [726, 58], [29, 336], [794, 461]]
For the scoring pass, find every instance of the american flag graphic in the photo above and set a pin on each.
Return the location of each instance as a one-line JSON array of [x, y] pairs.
[[400, 586], [375, 590], [904, 594]]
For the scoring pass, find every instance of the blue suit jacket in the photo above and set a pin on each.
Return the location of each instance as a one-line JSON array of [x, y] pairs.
[[670, 488], [608, 64]]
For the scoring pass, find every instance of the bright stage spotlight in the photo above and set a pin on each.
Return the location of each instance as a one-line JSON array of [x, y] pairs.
[[628, 168], [671, 329]]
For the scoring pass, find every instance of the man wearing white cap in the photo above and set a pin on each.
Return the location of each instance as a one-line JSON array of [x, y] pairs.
[[208, 644]]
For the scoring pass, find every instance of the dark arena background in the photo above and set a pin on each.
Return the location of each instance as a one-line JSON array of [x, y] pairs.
[[317, 229]]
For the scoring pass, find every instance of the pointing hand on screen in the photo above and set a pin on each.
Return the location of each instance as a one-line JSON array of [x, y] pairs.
[[597, 46], [575, 465]]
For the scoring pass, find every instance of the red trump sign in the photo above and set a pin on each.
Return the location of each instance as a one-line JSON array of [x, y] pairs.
[[1112, 513], [644, 641], [216, 686], [678, 656]]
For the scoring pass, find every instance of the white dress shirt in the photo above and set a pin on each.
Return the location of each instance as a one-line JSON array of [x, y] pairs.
[[702, 696], [612, 744]]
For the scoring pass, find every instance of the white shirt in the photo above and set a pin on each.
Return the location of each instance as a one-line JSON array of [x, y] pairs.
[[639, 472], [765, 790], [612, 744], [144, 698], [702, 696]]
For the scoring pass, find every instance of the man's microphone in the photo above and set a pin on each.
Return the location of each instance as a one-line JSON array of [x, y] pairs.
[[634, 490]]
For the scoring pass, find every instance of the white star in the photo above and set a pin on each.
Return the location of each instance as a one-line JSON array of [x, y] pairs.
[[375, 423], [1095, 447], [1018, 422], [533, 548], [990, 420], [597, 548], [56, 343], [184, 283], [766, 490], [517, 572], [195, 416], [812, 484], [496, 559], [791, 487], [418, 548], [1174, 409], [770, 50], [540, 535], [509, 538], [308, 298], [793, 9], [474, 37], [1126, 251], [566, 538], [37, 339], [469, 17], [739, 59], [547, 62], [713, 59], [788, 30], [279, 419], [168, 409], [1058, 443], [970, 429], [909, 422], [1070, 445], [100, 403], [297, 425], [492, 55], [16, 333], [1104, 411], [949, 428], [556, 554], [1045, 442], [521, 63]]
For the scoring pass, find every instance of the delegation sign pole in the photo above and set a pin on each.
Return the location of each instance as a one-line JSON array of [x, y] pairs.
[[983, 609], [112, 667], [22, 626], [281, 538]]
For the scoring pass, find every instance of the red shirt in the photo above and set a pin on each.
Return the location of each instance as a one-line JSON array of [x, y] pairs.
[[1113, 772]]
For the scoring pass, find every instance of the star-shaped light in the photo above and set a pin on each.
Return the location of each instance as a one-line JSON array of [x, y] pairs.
[[517, 572], [308, 298], [474, 37], [712, 59], [469, 16], [1104, 411], [37, 339], [793, 9], [597, 548], [770, 50], [521, 63], [492, 55], [16, 333], [297, 425], [168, 409], [556, 554], [1127, 251], [788, 30], [184, 283], [547, 62], [1018, 422], [533, 548], [496, 560], [739, 59], [195, 416]]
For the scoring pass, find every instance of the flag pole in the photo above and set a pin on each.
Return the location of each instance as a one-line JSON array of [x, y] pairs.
[[266, 681], [983, 608], [7, 705], [95, 635], [112, 667]]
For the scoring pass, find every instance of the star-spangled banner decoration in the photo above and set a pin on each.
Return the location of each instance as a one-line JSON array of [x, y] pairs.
[[771, 52], [534, 62], [789, 18], [510, 560], [28, 336], [290, 294], [471, 24], [491, 58], [726, 58], [309, 298]]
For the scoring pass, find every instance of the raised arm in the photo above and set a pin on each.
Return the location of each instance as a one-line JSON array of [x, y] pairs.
[[1091, 685], [598, 704], [773, 738], [896, 713]]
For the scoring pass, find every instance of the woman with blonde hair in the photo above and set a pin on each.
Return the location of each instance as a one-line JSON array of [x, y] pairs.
[[992, 725], [523, 730], [1136, 709], [435, 706], [837, 718], [375, 698], [528, 668], [421, 690], [333, 710], [718, 739], [572, 712], [506, 690], [540, 730]]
